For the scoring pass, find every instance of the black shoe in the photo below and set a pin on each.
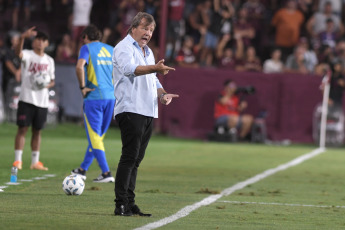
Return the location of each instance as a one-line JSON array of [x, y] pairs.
[[104, 178], [79, 172], [136, 211], [122, 211]]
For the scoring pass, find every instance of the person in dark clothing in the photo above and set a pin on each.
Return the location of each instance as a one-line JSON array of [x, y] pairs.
[[10, 63], [337, 84]]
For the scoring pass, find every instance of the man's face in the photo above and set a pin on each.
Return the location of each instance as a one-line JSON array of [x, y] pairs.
[[291, 4], [231, 87], [39, 44], [143, 33]]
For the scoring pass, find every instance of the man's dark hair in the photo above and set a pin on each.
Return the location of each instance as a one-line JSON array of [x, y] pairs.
[[41, 35], [137, 19], [92, 32], [227, 82]]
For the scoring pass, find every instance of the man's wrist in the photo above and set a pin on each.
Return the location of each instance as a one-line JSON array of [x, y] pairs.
[[82, 87], [162, 95]]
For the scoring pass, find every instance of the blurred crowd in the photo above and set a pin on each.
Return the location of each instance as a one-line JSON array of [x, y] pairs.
[[272, 36]]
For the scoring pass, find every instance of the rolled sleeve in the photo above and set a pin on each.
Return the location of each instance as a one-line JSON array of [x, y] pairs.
[[125, 60], [158, 84]]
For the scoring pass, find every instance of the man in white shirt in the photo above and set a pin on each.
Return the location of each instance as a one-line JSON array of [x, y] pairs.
[[37, 75], [137, 89]]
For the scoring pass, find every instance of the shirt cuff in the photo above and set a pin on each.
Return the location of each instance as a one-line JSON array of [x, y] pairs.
[[132, 68]]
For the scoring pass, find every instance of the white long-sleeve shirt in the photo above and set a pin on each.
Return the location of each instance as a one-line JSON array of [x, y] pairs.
[[135, 94]]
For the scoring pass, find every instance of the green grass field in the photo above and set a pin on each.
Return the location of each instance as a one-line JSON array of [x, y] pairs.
[[174, 174]]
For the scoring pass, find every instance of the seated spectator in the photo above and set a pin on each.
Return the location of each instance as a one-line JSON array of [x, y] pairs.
[[65, 50], [229, 111], [318, 22], [296, 62], [274, 64], [250, 61], [329, 36], [309, 55], [227, 61], [187, 56], [226, 56]]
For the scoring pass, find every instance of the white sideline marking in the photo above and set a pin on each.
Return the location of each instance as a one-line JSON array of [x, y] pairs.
[[1, 190], [2, 187], [283, 204], [211, 199], [13, 183], [50, 175], [39, 178], [25, 180]]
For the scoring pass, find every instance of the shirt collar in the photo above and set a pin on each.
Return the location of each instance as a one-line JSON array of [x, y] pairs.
[[135, 43]]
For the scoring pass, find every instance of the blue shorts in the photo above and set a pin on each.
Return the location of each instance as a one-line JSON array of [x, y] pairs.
[[211, 40], [223, 121]]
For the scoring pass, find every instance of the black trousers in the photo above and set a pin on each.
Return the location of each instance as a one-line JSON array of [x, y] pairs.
[[136, 131]]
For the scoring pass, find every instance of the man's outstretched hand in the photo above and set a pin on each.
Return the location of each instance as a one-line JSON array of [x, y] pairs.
[[167, 98], [163, 69]]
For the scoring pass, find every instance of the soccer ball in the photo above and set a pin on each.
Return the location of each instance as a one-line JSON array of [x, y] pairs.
[[73, 185], [41, 80]]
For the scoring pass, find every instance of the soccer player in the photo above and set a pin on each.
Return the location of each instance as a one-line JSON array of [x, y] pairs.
[[137, 90], [33, 99], [94, 71]]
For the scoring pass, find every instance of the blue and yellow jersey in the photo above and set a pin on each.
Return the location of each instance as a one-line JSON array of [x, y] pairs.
[[98, 71]]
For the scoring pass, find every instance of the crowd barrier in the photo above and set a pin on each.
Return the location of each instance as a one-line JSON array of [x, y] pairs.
[[288, 99], [67, 88]]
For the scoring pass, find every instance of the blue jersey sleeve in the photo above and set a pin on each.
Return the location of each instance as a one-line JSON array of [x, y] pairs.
[[84, 53]]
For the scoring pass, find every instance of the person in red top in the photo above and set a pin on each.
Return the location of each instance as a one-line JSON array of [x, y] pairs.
[[228, 111]]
